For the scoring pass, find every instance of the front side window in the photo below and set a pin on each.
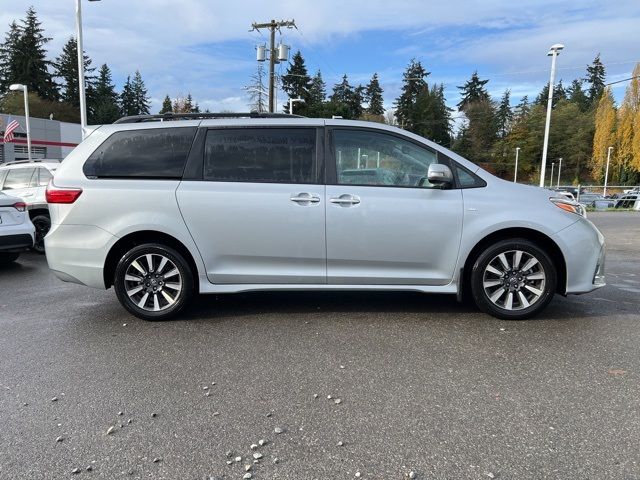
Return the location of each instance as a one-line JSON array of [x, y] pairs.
[[373, 158], [18, 178], [261, 155], [150, 153]]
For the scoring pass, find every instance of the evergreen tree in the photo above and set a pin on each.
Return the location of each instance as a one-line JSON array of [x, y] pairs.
[[472, 91], [188, 104], [9, 58], [296, 83], [504, 114], [373, 97], [413, 83], [166, 105], [575, 94], [139, 98], [344, 101], [66, 68], [257, 91], [523, 108], [31, 62], [104, 100], [432, 116], [558, 94], [127, 99], [317, 96], [595, 78]]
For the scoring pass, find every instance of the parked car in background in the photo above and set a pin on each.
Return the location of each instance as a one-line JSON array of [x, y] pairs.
[[590, 199], [16, 231], [565, 194], [630, 200], [28, 180], [162, 207]]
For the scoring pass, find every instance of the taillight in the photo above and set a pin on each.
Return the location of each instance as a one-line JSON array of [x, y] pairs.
[[62, 195], [20, 206]]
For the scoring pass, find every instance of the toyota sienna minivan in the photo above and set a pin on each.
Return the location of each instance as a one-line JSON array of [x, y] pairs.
[[162, 207]]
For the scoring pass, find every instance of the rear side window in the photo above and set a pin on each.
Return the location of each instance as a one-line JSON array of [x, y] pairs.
[[261, 155], [153, 153], [45, 176], [18, 178]]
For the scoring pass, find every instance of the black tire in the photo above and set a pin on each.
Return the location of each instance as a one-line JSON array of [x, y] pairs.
[[43, 225], [154, 283], [519, 294], [8, 257]]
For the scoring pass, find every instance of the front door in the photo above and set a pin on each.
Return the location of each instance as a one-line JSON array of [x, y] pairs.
[[385, 223], [257, 216]]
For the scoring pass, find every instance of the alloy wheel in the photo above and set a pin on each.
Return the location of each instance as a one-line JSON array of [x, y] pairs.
[[153, 282], [514, 280]]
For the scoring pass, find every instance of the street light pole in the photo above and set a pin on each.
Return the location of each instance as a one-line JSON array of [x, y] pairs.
[[83, 100], [292, 101], [559, 168], [554, 51], [515, 173], [606, 172], [25, 91], [553, 164]]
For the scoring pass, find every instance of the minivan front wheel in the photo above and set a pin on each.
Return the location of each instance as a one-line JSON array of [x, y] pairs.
[[153, 282], [513, 279]]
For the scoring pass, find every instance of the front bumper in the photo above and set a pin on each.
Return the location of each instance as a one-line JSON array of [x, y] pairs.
[[584, 252]]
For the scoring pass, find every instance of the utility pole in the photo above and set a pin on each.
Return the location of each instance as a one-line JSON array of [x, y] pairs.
[[515, 172], [559, 168], [273, 55]]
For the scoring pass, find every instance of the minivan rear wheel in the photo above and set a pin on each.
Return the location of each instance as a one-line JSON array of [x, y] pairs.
[[153, 282], [513, 279]]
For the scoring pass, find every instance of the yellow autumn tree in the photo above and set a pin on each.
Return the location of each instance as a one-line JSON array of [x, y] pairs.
[[630, 145], [605, 134]]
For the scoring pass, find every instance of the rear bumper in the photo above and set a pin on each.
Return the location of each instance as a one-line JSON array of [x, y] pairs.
[[77, 253], [16, 242]]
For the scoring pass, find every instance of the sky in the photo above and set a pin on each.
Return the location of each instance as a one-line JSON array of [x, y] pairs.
[[204, 47]]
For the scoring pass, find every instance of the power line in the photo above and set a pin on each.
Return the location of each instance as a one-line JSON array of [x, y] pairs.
[[620, 81]]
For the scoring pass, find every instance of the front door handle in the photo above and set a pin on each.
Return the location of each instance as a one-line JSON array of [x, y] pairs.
[[304, 198], [345, 199]]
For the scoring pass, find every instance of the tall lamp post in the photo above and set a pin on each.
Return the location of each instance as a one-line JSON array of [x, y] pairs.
[[292, 101], [515, 172], [559, 168], [18, 86], [81, 85], [553, 164], [554, 51], [606, 172]]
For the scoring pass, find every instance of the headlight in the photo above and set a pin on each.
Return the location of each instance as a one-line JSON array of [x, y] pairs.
[[569, 206]]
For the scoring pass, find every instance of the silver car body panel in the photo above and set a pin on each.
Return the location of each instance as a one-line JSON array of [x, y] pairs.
[[246, 237]]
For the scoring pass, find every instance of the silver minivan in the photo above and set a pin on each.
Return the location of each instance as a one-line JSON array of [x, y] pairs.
[[163, 207]]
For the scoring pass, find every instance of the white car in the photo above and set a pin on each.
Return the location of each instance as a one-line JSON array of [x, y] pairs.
[[16, 230], [163, 207], [28, 180]]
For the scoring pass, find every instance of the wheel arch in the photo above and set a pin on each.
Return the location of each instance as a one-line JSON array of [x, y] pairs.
[[34, 212], [134, 239], [542, 240]]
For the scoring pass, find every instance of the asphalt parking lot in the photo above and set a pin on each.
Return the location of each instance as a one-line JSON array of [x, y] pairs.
[[425, 384]]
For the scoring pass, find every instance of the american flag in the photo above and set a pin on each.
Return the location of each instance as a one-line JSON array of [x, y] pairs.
[[8, 132]]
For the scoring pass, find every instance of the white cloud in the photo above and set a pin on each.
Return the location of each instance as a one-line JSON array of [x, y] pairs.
[[177, 45]]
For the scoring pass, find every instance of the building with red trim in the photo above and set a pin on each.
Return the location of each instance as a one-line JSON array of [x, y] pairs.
[[49, 138]]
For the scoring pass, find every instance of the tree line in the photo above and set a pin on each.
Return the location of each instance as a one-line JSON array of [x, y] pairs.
[[53, 84], [584, 121]]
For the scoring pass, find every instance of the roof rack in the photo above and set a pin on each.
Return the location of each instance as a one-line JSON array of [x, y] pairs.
[[199, 116], [36, 160]]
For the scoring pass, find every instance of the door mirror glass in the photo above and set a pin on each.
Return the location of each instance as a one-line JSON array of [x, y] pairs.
[[440, 174]]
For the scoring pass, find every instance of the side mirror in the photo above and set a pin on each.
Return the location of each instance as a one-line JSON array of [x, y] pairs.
[[440, 174]]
